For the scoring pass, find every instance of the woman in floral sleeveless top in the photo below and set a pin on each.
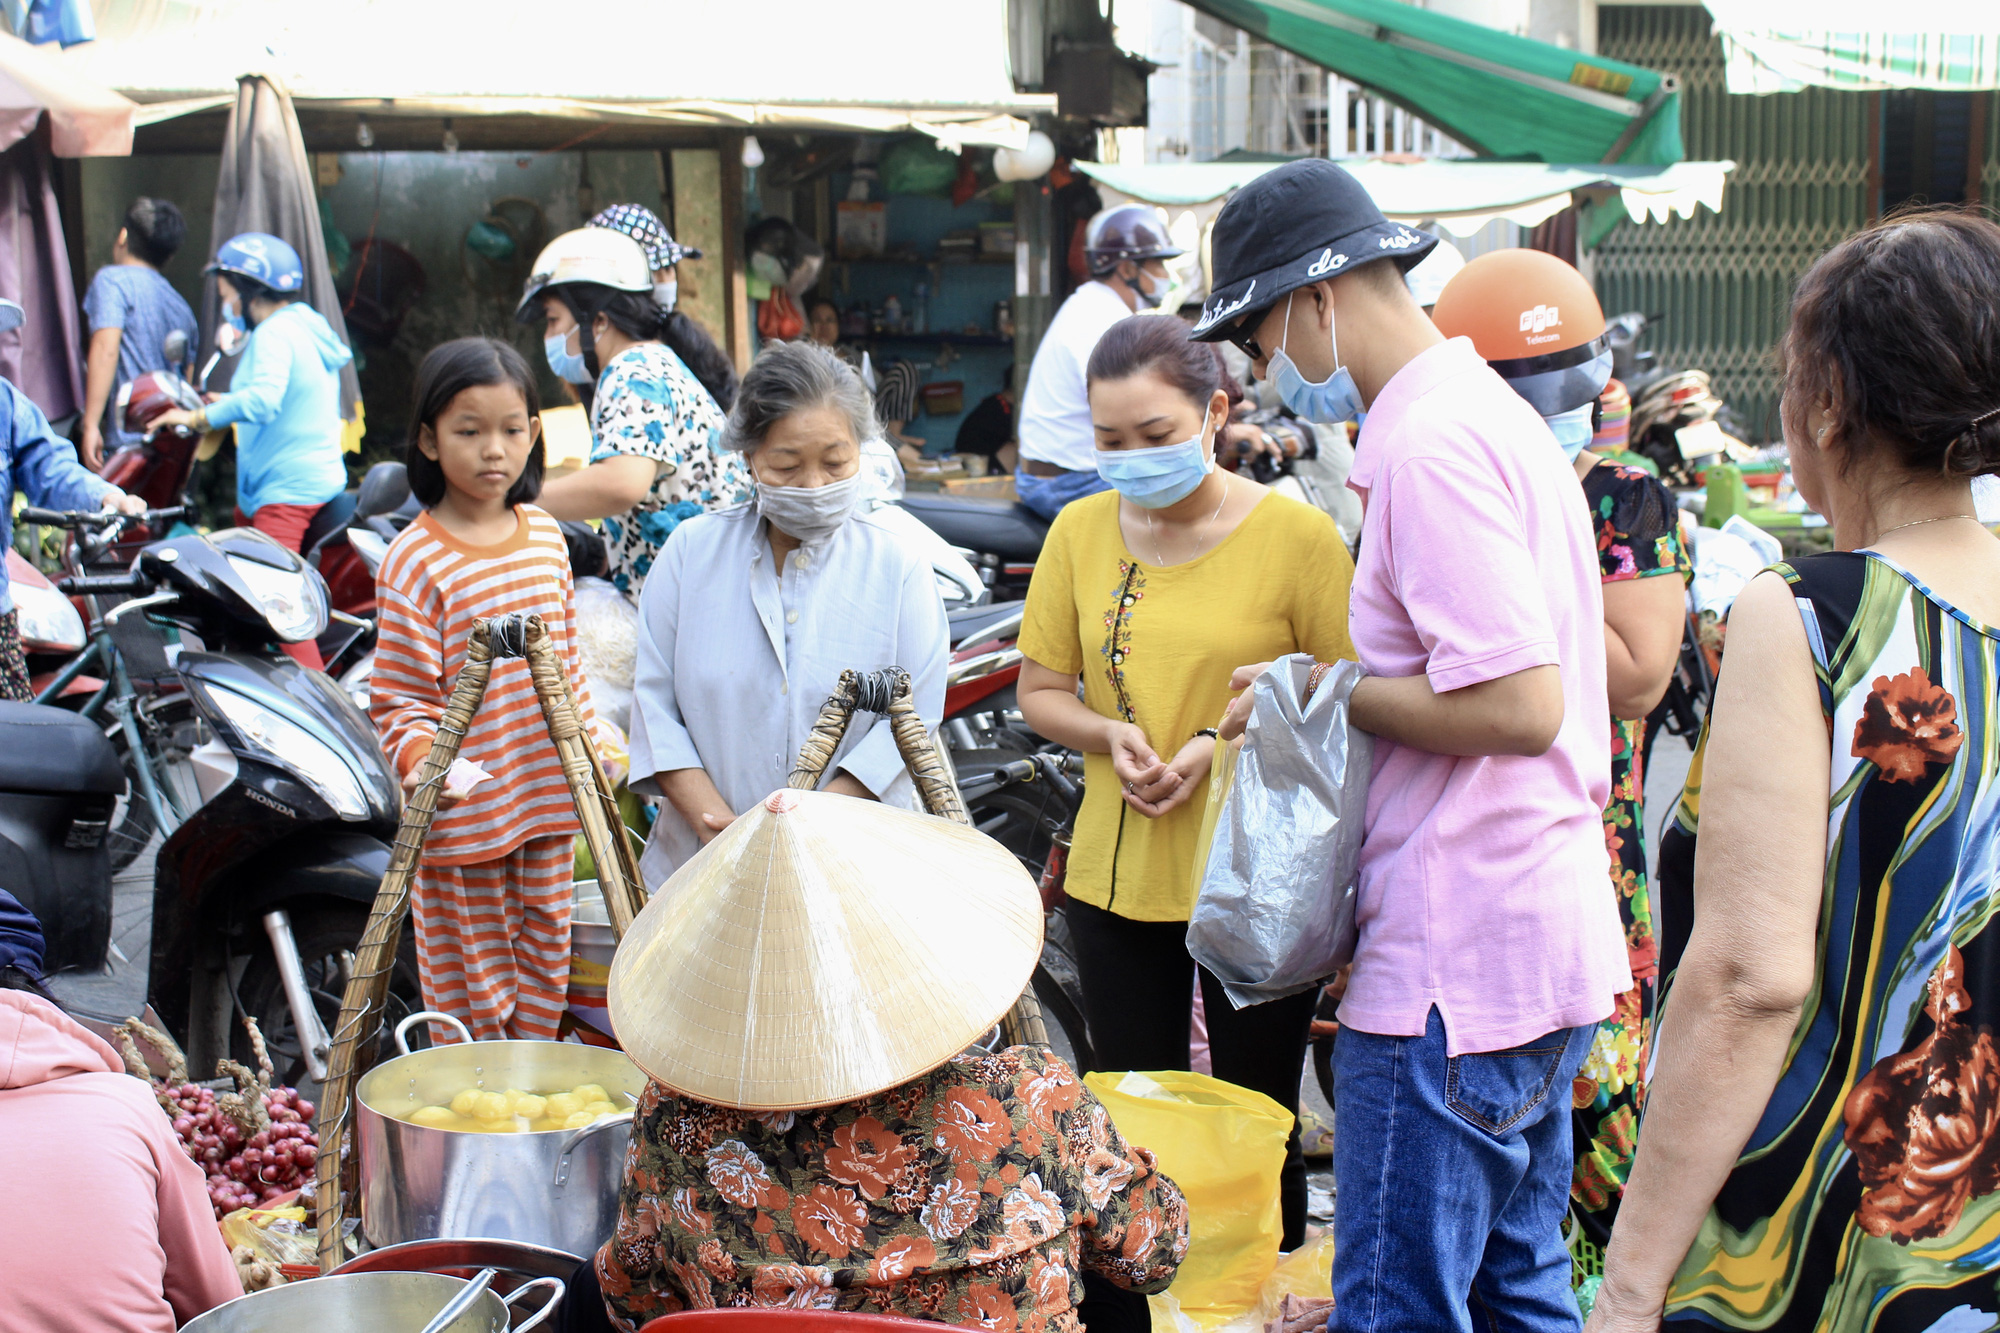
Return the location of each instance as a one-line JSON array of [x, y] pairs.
[[1821, 1147]]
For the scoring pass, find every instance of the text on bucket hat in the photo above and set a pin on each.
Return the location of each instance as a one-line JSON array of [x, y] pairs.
[[1295, 225]]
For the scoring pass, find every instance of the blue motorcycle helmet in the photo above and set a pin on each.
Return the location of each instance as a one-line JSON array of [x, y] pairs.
[[262, 258]]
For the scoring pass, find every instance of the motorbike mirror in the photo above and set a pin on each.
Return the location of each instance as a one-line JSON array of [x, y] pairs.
[[174, 348], [228, 342]]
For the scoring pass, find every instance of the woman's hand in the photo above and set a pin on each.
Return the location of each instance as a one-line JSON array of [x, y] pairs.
[[694, 797], [1238, 716], [123, 503], [1181, 780], [178, 416], [1132, 757]]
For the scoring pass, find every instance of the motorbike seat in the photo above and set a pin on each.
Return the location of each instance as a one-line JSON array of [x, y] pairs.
[[46, 750], [1003, 528], [331, 520], [384, 490]]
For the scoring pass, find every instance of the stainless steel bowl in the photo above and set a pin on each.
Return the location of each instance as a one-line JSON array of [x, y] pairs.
[[556, 1188], [370, 1303]]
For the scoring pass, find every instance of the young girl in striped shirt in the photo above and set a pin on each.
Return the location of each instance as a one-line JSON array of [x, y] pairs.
[[491, 898]]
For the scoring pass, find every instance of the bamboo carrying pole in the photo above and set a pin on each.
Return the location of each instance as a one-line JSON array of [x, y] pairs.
[[367, 992], [887, 692], [596, 806]]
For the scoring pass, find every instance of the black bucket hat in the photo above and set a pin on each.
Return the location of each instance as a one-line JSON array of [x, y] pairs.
[[1294, 225]]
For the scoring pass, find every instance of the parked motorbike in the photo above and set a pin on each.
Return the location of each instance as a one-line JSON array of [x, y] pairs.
[[1002, 539], [277, 803], [1672, 408]]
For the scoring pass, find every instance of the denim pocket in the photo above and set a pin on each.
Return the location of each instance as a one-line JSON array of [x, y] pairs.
[[1495, 1090]]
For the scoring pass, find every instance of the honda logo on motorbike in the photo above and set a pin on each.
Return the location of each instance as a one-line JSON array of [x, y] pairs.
[[1541, 317]]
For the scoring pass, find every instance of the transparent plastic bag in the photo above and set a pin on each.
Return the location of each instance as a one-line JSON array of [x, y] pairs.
[[1275, 911]]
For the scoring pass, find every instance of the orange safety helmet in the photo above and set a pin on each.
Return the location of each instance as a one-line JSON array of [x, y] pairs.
[[1535, 320]]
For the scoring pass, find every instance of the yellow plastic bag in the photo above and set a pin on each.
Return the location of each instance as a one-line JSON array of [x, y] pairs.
[[1221, 774], [1224, 1146]]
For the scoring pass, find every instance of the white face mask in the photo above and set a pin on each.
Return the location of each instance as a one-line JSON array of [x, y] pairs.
[[666, 293], [809, 513]]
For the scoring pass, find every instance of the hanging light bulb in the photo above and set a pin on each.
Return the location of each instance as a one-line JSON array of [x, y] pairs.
[[363, 135], [450, 138], [753, 152]]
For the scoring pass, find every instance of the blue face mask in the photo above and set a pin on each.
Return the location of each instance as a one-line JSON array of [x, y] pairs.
[[1572, 430], [234, 319], [566, 364], [1329, 402], [1158, 477]]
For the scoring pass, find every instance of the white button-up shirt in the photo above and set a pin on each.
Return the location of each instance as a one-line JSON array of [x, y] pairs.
[[736, 657], [1055, 409]]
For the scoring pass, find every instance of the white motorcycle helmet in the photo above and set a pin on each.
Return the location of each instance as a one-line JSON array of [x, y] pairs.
[[588, 254]]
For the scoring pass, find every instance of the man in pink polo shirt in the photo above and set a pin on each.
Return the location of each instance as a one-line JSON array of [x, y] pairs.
[[1488, 948]]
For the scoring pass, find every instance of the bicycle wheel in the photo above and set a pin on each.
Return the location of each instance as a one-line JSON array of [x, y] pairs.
[[171, 730]]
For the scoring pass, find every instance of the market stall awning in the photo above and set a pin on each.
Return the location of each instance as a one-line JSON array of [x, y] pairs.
[[1505, 96], [883, 65], [1459, 195], [1785, 46], [86, 119]]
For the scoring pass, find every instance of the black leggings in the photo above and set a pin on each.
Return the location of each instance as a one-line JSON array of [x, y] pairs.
[[1138, 999]]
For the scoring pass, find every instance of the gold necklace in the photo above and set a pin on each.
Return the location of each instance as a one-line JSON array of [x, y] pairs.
[[1919, 522], [1207, 527]]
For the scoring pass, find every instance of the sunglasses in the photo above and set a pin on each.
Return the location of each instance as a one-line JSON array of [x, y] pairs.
[[1240, 335]]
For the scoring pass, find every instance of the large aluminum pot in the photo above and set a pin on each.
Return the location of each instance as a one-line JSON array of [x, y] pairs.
[[557, 1188], [513, 1263], [369, 1303]]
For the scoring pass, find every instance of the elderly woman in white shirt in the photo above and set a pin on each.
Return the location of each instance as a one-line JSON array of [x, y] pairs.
[[750, 615]]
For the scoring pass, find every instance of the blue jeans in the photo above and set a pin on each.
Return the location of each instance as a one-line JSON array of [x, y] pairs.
[[1453, 1176], [1047, 495]]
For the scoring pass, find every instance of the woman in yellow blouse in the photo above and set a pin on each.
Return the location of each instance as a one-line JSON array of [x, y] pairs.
[[1151, 594]]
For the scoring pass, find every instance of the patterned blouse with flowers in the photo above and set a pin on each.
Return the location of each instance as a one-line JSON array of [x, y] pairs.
[[977, 1194], [649, 405], [1868, 1197], [1638, 537]]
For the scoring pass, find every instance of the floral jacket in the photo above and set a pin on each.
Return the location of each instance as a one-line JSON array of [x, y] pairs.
[[973, 1195]]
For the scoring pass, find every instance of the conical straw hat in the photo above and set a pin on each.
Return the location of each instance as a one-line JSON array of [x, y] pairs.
[[823, 949]]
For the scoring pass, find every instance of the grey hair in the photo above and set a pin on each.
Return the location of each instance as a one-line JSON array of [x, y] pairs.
[[796, 377]]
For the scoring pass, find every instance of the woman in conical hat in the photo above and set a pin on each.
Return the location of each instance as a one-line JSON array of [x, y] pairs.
[[817, 1134]]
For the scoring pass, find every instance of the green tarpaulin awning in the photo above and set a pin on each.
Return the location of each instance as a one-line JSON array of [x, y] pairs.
[[1503, 95]]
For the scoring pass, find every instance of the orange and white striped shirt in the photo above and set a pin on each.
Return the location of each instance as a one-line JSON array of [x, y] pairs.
[[431, 587]]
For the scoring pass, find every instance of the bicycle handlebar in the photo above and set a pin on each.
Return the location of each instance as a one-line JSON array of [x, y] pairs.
[[103, 584], [81, 519]]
